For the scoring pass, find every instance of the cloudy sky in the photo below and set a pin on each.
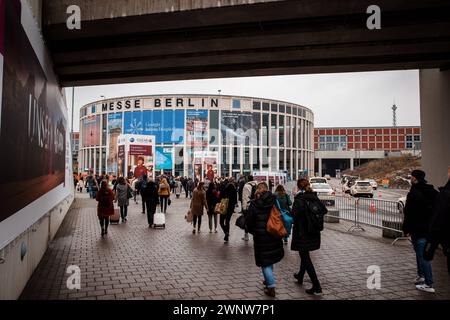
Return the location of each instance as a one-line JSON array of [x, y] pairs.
[[344, 99]]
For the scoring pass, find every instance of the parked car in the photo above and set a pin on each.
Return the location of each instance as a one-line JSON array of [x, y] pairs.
[[347, 186], [373, 183], [317, 180], [361, 188], [325, 192], [327, 176], [401, 204]]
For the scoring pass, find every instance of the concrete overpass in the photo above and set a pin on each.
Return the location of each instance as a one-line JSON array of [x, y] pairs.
[[134, 40], [131, 41]]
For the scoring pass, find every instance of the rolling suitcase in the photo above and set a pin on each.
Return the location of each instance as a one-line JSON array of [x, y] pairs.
[[159, 220], [115, 218]]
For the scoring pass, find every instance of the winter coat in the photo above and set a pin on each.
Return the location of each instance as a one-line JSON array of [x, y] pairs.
[[198, 202], [301, 239], [190, 185], [122, 195], [164, 188], [149, 192], [246, 193], [105, 206], [419, 209], [212, 198], [230, 193], [440, 221], [268, 249]]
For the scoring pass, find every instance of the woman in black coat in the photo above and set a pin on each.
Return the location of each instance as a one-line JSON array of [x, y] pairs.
[[268, 249], [303, 239], [229, 193]]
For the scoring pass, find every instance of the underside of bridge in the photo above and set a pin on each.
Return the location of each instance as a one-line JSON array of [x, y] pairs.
[[126, 43]]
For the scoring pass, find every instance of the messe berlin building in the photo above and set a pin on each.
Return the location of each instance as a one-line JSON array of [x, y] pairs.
[[234, 135]]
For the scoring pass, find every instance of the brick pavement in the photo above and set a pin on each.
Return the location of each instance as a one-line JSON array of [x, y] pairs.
[[135, 262]]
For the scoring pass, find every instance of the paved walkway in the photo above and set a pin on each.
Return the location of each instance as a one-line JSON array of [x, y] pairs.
[[135, 262]]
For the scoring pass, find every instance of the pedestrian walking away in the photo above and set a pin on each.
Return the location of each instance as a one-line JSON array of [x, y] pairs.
[[285, 203], [198, 202], [268, 249], [212, 198], [306, 232], [105, 206], [164, 194], [150, 197], [230, 193], [122, 192], [248, 193]]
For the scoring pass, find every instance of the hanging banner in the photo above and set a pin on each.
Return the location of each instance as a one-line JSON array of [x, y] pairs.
[[164, 158], [139, 155], [114, 131]]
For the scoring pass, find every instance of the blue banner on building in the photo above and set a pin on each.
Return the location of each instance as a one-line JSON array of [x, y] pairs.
[[164, 158]]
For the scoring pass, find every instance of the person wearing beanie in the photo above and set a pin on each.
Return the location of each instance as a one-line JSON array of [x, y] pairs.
[[417, 217]]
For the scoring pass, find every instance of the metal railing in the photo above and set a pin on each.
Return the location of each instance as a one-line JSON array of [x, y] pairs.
[[382, 214]]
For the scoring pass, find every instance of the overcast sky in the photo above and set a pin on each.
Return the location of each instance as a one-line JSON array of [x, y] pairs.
[[337, 100]]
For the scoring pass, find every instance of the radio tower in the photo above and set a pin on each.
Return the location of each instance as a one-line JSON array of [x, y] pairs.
[[394, 115]]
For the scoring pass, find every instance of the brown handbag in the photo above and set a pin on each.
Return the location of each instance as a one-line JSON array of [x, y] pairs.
[[275, 225]]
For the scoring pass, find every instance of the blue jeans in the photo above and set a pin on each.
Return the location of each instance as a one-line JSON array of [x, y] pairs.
[[423, 266], [268, 276]]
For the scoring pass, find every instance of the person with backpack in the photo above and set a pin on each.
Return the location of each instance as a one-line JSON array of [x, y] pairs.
[[164, 194], [150, 197], [285, 203], [417, 218], [268, 249], [248, 193], [308, 211], [123, 192], [105, 206]]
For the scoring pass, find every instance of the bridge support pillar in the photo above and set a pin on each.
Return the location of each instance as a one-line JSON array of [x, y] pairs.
[[435, 122]]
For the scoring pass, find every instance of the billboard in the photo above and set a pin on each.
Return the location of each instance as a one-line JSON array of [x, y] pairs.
[[114, 131], [91, 131], [197, 128], [239, 128], [33, 129], [166, 125], [164, 158], [136, 155]]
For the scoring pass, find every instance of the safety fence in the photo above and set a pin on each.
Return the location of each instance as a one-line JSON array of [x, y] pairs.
[[382, 214]]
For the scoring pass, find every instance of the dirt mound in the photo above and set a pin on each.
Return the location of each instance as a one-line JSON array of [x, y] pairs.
[[395, 169]]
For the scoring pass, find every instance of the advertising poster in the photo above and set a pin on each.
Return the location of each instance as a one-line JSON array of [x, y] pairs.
[[166, 125], [114, 131], [197, 128], [210, 162], [238, 128], [32, 124], [164, 158], [91, 131], [138, 152], [133, 123]]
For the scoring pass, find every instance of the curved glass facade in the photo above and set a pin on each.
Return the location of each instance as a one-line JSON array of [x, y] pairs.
[[247, 134]]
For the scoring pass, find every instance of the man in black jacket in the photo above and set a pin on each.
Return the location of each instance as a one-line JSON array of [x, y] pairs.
[[440, 224], [418, 212]]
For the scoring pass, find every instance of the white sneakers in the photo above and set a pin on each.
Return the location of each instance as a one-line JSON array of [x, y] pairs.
[[425, 288]]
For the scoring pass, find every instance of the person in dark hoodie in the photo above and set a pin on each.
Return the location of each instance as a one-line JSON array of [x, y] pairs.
[[418, 211], [305, 234], [230, 193], [440, 224], [268, 249]]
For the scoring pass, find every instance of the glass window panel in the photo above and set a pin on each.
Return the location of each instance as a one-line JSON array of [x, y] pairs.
[[256, 125], [281, 160], [265, 158], [321, 138], [265, 106], [281, 130], [265, 129], [256, 158], [416, 138], [274, 107], [335, 138], [214, 127], [273, 159], [256, 105], [282, 108], [246, 167], [288, 109], [273, 130]]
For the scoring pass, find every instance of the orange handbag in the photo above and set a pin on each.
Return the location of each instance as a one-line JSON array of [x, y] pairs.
[[275, 225]]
